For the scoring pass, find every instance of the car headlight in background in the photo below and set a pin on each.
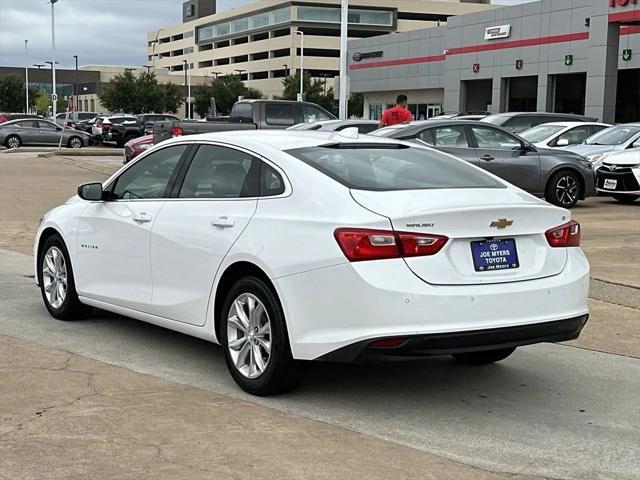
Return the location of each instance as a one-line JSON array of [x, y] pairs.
[[595, 160], [587, 164]]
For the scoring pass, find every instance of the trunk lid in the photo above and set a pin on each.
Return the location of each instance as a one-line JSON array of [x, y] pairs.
[[465, 216]]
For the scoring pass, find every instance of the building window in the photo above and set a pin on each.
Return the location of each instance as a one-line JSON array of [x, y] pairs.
[[93, 105], [356, 16], [86, 105], [244, 24], [188, 34], [375, 111]]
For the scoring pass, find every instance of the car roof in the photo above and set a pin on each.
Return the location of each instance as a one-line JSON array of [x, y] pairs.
[[569, 124], [284, 139]]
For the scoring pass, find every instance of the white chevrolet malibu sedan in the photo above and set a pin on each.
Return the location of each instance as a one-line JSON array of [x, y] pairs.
[[293, 246]]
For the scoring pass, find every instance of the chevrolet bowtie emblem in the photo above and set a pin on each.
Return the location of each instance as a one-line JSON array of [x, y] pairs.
[[501, 223]]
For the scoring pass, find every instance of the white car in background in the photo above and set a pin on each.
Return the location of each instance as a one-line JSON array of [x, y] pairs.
[[290, 246], [561, 134], [618, 175]]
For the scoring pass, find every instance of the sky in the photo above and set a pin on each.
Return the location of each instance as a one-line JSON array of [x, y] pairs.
[[100, 32]]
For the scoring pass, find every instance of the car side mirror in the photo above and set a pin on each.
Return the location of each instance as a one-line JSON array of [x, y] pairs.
[[563, 142], [91, 191]]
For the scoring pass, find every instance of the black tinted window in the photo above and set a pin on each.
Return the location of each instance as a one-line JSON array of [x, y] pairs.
[[271, 182], [279, 114], [220, 172], [391, 168], [149, 177]]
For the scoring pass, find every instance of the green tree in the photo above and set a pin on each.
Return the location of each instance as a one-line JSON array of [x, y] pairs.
[[12, 95], [314, 91], [119, 93], [225, 90], [173, 97], [356, 105], [149, 97], [42, 100]]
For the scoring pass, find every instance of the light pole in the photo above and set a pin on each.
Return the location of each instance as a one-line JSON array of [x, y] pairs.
[[344, 29], [187, 82], [54, 96], [153, 54], [215, 74], [26, 76], [75, 86], [286, 70], [301, 33]]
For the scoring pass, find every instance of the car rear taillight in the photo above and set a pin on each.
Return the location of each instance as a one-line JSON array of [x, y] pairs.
[[566, 235], [391, 342], [360, 244], [177, 132]]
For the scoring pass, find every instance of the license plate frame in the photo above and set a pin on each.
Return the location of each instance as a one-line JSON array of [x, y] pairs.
[[494, 255], [610, 184]]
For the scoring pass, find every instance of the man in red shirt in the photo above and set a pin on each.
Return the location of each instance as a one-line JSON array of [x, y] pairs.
[[397, 114]]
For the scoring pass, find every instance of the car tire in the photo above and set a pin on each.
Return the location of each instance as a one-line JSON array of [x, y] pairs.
[[12, 141], [253, 326], [564, 189], [483, 358], [75, 142], [57, 285], [626, 198]]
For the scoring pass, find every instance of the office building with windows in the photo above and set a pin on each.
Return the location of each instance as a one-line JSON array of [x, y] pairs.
[[262, 41]]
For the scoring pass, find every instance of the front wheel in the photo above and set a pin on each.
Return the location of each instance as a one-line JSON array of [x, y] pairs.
[[75, 142], [564, 189], [483, 358], [255, 340], [626, 198], [13, 141], [57, 285]]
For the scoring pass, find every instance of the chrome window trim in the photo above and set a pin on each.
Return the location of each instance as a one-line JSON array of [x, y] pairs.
[[288, 189]]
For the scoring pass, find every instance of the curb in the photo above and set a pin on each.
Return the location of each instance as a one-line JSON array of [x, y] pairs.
[[116, 152]]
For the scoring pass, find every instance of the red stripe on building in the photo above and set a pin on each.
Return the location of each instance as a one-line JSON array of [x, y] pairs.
[[400, 61], [629, 29], [630, 16], [528, 42]]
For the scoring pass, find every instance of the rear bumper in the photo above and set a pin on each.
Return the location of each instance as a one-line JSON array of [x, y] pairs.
[[335, 307], [419, 346]]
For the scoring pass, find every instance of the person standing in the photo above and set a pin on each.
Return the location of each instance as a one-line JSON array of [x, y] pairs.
[[397, 114]]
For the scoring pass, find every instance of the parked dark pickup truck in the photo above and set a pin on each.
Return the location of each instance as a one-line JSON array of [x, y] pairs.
[[247, 115], [122, 133]]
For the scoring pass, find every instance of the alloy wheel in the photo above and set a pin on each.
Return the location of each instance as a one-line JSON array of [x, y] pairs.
[[566, 190], [13, 142], [75, 142], [54, 277], [249, 335]]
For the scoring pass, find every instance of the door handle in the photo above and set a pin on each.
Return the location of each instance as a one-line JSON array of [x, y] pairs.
[[142, 218], [223, 222], [487, 158]]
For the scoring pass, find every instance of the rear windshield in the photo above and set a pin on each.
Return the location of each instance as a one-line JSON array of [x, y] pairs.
[[540, 133], [613, 135], [496, 119], [384, 167]]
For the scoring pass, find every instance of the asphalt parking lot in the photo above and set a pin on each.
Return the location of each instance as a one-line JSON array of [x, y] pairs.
[[80, 395]]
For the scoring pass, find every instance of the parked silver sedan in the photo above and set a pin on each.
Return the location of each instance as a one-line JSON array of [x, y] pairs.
[[16, 133]]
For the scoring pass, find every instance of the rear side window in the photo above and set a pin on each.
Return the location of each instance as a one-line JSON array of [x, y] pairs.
[[575, 135], [243, 111], [221, 172], [271, 182], [521, 123], [393, 167], [279, 114]]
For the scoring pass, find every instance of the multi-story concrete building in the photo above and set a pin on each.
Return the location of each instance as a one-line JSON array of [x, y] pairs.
[[572, 56], [260, 41]]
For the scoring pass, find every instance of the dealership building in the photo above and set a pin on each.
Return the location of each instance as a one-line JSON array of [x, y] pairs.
[[572, 56], [262, 41]]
